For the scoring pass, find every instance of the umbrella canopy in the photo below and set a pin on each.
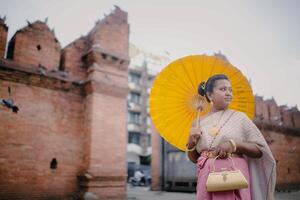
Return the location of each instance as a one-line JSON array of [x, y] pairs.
[[174, 95]]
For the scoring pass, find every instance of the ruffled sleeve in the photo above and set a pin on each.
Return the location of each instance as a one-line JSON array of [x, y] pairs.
[[262, 170]]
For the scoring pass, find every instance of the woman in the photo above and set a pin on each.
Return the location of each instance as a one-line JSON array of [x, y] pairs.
[[224, 132]]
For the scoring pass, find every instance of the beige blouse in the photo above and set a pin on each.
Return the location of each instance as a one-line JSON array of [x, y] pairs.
[[237, 126]]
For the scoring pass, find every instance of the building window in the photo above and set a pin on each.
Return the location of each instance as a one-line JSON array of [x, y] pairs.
[[134, 78], [39, 47], [134, 117], [148, 120], [53, 164], [145, 160], [149, 140], [134, 138], [135, 97]]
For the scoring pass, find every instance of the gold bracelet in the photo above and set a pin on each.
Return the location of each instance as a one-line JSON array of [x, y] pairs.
[[233, 144], [192, 149]]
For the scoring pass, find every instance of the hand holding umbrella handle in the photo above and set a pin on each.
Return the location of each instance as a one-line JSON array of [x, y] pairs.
[[192, 142], [194, 135], [198, 119], [200, 104]]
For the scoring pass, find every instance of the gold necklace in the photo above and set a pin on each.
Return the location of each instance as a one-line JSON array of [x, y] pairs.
[[214, 131]]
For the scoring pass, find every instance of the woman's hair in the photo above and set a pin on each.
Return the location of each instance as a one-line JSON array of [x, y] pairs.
[[208, 87]]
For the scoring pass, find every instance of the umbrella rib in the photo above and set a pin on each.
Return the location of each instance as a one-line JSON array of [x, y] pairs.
[[195, 74], [159, 78], [170, 86], [240, 80], [175, 140], [189, 78], [186, 120], [164, 130], [235, 73], [172, 107], [224, 67], [185, 88]]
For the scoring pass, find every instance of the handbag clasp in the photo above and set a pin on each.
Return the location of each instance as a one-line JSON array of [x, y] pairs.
[[224, 174]]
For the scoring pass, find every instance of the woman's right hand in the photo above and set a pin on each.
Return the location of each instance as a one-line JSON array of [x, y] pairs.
[[194, 137]]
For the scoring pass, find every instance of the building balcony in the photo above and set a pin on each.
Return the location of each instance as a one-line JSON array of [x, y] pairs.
[[148, 91], [134, 148], [137, 150], [149, 130], [133, 127], [134, 107], [134, 87], [149, 150]]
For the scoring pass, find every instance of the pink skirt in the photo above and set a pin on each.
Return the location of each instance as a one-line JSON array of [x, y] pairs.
[[204, 166]]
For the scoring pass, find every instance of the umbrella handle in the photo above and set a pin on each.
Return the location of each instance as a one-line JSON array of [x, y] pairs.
[[198, 119]]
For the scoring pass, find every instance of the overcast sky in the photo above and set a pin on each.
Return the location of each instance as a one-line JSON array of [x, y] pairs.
[[260, 37]]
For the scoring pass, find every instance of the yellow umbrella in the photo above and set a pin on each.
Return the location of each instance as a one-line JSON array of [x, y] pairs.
[[174, 98]]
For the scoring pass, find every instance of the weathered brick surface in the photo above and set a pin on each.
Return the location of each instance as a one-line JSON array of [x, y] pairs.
[[71, 58], [30, 75], [3, 37], [296, 118], [109, 30], [106, 110], [285, 148], [49, 125], [35, 44], [268, 111], [73, 110]]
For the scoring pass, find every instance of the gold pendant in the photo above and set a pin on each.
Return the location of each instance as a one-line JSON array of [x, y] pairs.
[[213, 131]]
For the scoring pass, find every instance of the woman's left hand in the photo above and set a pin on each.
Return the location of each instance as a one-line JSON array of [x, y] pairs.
[[224, 149]]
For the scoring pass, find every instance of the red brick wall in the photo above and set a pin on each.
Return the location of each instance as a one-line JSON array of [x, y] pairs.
[[296, 118], [3, 37], [287, 118], [285, 148], [269, 112], [261, 109], [79, 117], [285, 142], [36, 45], [109, 33], [71, 59], [274, 112], [107, 128], [48, 125], [106, 111]]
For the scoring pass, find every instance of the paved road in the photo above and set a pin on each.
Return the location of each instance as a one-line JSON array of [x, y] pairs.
[[144, 193]]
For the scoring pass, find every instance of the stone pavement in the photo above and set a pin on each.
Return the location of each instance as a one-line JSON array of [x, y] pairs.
[[144, 193]]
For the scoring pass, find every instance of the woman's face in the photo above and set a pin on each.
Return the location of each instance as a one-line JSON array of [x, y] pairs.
[[222, 94]]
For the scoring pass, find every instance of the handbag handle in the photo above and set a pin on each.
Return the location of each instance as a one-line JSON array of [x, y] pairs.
[[213, 162]]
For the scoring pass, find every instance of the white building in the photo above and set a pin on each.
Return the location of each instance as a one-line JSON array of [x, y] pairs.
[[140, 79]]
